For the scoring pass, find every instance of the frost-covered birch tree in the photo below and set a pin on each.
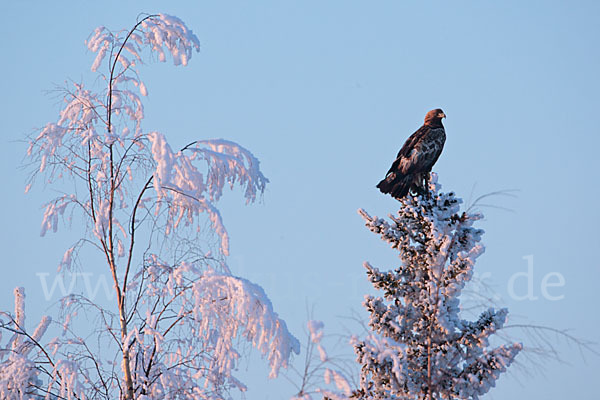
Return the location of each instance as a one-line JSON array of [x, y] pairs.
[[149, 214], [420, 347]]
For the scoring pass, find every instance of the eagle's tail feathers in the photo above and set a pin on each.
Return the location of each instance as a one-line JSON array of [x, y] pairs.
[[401, 189], [397, 186], [385, 185]]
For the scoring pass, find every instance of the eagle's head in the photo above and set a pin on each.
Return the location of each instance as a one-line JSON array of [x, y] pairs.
[[434, 117]]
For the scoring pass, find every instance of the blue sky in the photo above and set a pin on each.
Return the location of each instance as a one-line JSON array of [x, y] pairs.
[[324, 94]]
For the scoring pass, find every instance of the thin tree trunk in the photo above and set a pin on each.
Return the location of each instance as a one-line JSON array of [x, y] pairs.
[[429, 367], [129, 394]]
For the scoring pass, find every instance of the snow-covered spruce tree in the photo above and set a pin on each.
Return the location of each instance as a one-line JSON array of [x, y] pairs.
[[173, 328], [421, 348]]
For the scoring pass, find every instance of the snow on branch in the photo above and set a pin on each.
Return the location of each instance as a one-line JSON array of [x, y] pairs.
[[210, 310], [229, 162], [247, 312], [325, 375], [179, 182], [160, 33], [19, 374]]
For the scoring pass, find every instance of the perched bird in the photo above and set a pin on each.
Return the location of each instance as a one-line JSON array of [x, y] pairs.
[[415, 159]]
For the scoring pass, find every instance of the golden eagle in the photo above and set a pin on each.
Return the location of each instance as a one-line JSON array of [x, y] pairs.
[[415, 159]]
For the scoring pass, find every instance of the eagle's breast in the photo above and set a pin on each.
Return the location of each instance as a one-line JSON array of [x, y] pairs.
[[432, 146], [435, 140], [437, 136]]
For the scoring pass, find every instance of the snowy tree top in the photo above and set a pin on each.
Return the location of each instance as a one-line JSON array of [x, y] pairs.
[[421, 347]]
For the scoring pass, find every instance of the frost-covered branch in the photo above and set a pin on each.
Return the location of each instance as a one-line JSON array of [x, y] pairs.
[[323, 375]]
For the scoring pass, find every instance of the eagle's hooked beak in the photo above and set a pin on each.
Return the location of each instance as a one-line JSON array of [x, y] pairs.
[[441, 115]]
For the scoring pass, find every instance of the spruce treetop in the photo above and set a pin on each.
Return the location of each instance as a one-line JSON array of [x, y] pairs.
[[420, 347]]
